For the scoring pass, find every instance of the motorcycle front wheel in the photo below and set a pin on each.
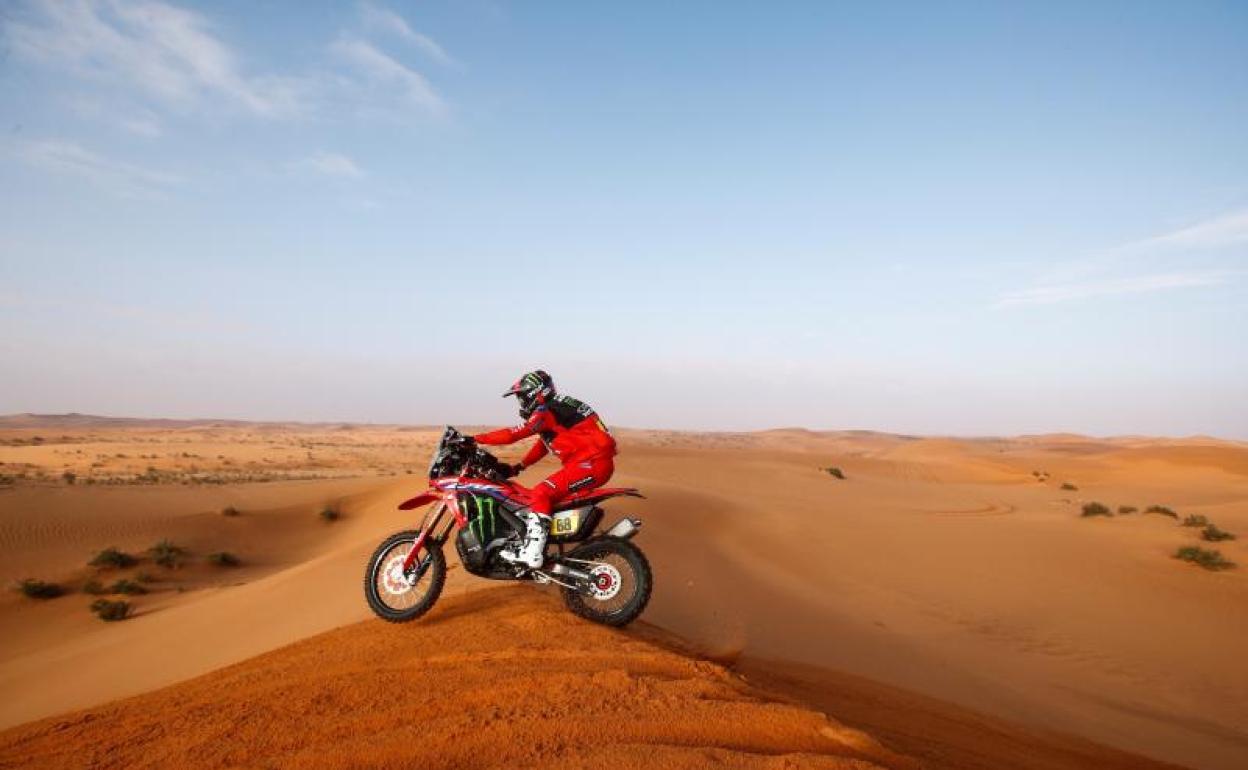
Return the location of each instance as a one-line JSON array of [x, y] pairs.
[[397, 596], [620, 582]]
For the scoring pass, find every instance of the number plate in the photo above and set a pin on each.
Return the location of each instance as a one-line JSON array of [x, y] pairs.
[[565, 523]]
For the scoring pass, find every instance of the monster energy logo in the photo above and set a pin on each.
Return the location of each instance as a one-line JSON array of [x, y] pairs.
[[485, 506]]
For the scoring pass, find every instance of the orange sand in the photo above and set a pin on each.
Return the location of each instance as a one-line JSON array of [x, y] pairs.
[[941, 577]]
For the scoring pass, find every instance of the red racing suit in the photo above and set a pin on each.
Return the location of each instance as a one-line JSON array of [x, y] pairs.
[[574, 432]]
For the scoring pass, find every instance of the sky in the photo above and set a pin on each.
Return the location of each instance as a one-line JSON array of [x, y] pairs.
[[938, 218]]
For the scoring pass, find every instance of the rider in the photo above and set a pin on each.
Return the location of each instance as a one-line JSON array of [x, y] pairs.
[[577, 436]]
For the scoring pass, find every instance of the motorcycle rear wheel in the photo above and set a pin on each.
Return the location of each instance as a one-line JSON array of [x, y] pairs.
[[623, 582], [389, 593]]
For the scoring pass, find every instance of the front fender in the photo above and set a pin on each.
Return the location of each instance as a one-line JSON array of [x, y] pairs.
[[424, 498]]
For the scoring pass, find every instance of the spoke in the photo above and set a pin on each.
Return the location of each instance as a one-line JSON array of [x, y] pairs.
[[390, 583]]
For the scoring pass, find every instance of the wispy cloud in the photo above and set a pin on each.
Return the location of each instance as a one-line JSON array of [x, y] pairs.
[[1218, 232], [169, 53], [149, 61], [329, 164], [382, 70], [1149, 258], [143, 123], [113, 175], [137, 121], [1048, 295], [378, 18]]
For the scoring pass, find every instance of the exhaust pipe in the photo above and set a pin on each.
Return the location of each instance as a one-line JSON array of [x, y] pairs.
[[571, 572], [624, 528]]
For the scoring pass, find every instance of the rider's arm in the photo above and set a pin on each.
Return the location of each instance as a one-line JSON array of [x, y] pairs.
[[531, 427], [535, 453]]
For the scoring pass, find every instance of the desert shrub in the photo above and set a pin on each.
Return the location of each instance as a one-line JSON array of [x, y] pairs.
[[1125, 509], [224, 559], [230, 510], [94, 587], [145, 577], [1161, 509], [835, 473], [1096, 509], [331, 513], [167, 555], [1195, 520], [111, 558], [109, 610], [1212, 560], [1213, 534], [128, 587], [70, 477], [1066, 485], [39, 589]]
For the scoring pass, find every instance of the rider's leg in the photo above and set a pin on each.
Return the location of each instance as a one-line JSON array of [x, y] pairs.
[[570, 478]]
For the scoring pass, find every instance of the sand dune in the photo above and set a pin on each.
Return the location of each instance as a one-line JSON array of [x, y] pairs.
[[505, 678], [497, 678], [939, 572]]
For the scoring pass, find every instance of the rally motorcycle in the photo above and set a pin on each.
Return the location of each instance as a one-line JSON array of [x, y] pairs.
[[603, 575]]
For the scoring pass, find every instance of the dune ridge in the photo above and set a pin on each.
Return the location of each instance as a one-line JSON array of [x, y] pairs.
[[496, 678]]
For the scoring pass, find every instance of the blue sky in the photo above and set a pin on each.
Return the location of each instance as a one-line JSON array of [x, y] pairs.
[[960, 218]]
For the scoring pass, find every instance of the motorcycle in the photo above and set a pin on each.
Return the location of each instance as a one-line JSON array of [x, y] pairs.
[[603, 575]]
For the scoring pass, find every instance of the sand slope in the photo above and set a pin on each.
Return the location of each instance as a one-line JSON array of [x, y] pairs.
[[993, 593], [498, 678], [939, 567]]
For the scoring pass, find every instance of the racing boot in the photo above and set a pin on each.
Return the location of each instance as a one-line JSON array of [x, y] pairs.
[[533, 552]]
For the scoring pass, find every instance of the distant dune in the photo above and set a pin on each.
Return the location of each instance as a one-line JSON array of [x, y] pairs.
[[945, 596], [27, 421]]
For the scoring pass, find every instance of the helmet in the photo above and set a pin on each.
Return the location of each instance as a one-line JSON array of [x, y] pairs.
[[532, 390]]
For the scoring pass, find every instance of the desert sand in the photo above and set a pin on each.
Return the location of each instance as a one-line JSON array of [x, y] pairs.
[[946, 597]]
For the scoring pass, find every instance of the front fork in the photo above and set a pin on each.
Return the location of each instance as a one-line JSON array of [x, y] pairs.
[[428, 528]]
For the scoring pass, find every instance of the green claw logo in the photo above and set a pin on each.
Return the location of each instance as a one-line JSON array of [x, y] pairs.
[[485, 506]]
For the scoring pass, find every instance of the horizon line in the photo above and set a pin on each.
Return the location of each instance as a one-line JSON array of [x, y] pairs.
[[52, 416]]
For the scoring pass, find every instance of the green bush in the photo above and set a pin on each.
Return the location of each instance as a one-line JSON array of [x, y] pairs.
[[230, 510], [1096, 509], [330, 513], [1125, 509], [1161, 509], [145, 577], [224, 559], [1195, 520], [109, 610], [1213, 534], [167, 555], [94, 587], [128, 587], [111, 558], [835, 472], [1211, 560], [39, 589], [1066, 485]]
